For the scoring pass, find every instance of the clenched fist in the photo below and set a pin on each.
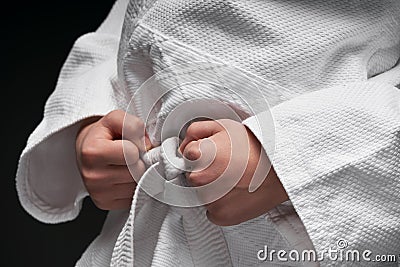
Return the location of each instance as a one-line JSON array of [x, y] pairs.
[[238, 205], [101, 160]]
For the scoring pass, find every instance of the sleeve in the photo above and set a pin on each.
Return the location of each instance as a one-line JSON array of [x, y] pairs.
[[48, 181], [337, 153]]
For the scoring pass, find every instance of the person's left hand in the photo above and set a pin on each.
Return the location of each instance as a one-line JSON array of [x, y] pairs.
[[238, 205]]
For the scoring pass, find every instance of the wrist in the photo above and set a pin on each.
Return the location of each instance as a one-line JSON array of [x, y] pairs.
[[271, 183]]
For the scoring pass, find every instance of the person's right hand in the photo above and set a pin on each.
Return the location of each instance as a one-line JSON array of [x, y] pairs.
[[101, 160]]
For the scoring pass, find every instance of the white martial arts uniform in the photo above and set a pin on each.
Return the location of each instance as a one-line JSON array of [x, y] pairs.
[[337, 122]]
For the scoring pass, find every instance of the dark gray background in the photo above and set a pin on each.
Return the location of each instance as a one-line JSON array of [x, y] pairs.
[[36, 39]]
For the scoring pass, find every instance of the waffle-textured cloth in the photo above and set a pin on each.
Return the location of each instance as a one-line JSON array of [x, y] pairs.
[[337, 122]]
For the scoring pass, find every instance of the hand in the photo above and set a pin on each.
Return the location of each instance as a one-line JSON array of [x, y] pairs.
[[101, 160], [239, 204]]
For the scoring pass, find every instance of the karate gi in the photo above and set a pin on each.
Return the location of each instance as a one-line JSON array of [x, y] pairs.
[[337, 126]]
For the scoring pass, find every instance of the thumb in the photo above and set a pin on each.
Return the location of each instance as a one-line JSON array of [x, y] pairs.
[[192, 150], [200, 130], [118, 124]]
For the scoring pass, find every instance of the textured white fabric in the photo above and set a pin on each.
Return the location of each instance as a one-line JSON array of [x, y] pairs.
[[48, 180], [158, 234], [166, 154], [342, 173], [337, 136]]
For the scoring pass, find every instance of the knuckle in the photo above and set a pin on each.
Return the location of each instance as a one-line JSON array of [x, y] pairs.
[[115, 114], [139, 124], [89, 153], [91, 177], [135, 127], [138, 127], [87, 174]]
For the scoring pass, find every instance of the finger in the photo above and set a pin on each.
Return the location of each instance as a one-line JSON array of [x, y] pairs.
[[134, 130], [99, 153], [204, 162], [211, 159], [199, 178], [121, 152], [198, 130], [97, 179], [137, 170], [124, 125], [123, 191], [114, 174], [192, 150]]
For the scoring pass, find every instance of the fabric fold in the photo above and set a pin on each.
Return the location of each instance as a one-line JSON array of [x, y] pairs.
[[337, 155], [48, 181]]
